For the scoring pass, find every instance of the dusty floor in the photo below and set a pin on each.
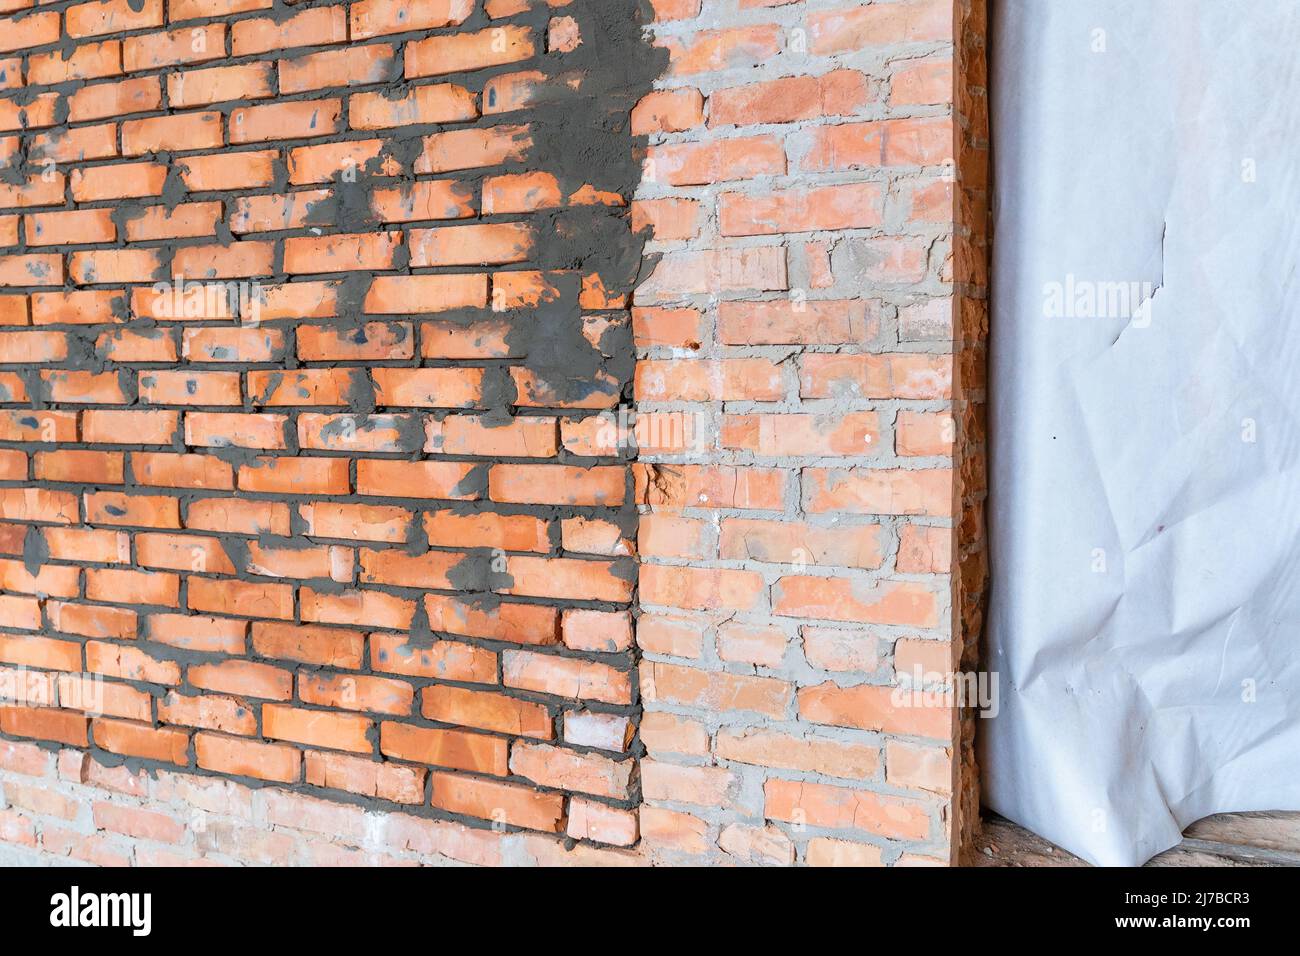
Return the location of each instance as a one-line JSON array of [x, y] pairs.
[[1227, 839]]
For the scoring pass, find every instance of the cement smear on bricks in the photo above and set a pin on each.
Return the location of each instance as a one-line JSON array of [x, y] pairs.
[[566, 353]]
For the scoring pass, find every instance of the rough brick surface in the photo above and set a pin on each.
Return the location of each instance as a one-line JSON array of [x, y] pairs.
[[809, 394], [548, 429]]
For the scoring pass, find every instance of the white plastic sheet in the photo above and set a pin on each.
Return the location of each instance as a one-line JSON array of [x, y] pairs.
[[1145, 486]]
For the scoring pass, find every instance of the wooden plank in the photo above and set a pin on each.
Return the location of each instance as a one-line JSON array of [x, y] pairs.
[[1269, 830], [1002, 843]]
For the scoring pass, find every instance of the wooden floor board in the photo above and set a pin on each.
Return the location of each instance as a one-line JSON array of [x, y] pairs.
[[1226, 839]]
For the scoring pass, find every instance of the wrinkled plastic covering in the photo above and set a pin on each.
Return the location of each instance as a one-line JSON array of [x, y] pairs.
[[1145, 488]]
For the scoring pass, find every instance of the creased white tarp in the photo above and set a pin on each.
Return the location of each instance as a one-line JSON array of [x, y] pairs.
[[1145, 487]]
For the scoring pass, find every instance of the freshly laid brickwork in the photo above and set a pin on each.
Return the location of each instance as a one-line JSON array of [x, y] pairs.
[[496, 431], [352, 534]]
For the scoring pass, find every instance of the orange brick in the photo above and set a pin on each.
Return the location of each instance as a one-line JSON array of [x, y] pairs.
[[92, 621], [796, 435], [112, 16], [38, 504], [219, 84], [668, 111], [43, 652], [40, 269], [232, 515], [471, 245], [516, 805], [315, 386], [232, 344], [565, 677], [148, 511], [316, 728], [18, 425], [428, 387], [103, 100], [462, 52], [692, 687], [384, 780], [181, 132], [426, 293], [371, 18], [167, 470], [119, 181], [507, 621], [357, 522], [86, 61], [142, 740], [331, 647], [872, 707], [924, 550], [240, 170], [879, 491], [188, 45], [447, 660], [473, 148], [86, 467], [232, 429], [432, 199], [243, 679], [20, 612], [129, 427], [129, 663], [42, 724], [299, 476], [214, 635], [376, 341], [357, 607], [722, 49], [248, 758], [184, 221], [459, 750], [851, 206], [341, 253], [559, 767], [295, 120], [840, 599], [557, 484], [312, 27], [247, 599], [855, 28], [208, 712], [132, 587], [822, 805], [487, 711], [238, 260], [589, 820], [434, 103], [379, 695], [901, 142], [67, 228], [396, 567], [87, 388], [351, 66]]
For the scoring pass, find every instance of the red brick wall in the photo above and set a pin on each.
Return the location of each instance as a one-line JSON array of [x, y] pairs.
[[798, 555], [347, 573]]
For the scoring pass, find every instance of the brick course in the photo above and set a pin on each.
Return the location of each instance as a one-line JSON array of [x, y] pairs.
[[572, 464]]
